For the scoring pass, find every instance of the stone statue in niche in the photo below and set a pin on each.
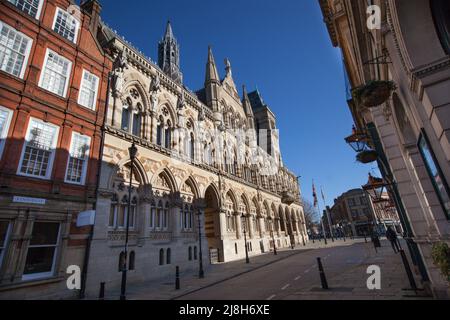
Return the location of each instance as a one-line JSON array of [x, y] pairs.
[[228, 67], [155, 87], [181, 102], [201, 115], [118, 77]]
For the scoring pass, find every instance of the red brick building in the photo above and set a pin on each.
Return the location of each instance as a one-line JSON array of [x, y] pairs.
[[53, 85]]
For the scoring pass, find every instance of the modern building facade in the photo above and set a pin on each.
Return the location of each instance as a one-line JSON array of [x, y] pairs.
[[208, 172], [53, 84], [409, 131]]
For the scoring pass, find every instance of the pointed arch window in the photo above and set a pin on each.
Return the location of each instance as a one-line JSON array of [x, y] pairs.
[[125, 125], [159, 216], [113, 211], [191, 218], [152, 217], [168, 256], [133, 213], [185, 217], [161, 257], [137, 119], [121, 261], [131, 263], [168, 135], [190, 253], [166, 217], [159, 131], [192, 146]]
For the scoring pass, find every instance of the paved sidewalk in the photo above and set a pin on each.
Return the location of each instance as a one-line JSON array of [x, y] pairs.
[[352, 284], [165, 289]]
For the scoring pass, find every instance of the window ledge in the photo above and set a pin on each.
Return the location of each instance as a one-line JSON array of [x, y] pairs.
[[29, 283]]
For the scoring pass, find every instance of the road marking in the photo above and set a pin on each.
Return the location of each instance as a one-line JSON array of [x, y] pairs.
[[271, 297], [298, 278], [306, 271], [286, 286]]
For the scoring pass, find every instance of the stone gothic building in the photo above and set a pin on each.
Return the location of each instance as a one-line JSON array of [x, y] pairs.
[[207, 161]]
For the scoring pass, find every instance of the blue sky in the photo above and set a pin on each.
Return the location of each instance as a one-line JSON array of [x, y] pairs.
[[283, 48]]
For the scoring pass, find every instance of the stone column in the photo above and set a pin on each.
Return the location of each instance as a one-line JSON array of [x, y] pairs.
[[249, 220], [262, 229], [154, 124], [223, 224], [239, 233], [176, 209]]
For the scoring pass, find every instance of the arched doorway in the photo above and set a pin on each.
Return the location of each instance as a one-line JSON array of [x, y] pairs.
[[212, 225]]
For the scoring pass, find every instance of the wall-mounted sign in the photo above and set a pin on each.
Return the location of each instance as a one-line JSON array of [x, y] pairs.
[[86, 218], [17, 199]]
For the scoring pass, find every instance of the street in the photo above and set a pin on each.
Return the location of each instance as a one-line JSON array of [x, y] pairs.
[[297, 277]]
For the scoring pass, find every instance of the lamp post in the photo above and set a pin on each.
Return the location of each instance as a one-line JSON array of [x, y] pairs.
[[201, 273], [274, 245], [247, 260], [133, 151], [358, 140], [377, 190]]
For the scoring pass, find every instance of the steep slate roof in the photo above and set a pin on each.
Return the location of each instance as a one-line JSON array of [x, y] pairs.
[[256, 100]]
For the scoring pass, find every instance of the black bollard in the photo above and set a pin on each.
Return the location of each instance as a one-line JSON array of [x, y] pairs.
[[323, 278], [177, 278], [409, 273], [101, 295]]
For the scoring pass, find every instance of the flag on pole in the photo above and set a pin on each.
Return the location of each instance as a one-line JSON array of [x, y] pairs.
[[315, 195]]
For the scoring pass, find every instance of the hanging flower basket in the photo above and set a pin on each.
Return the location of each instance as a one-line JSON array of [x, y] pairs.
[[373, 93], [367, 156]]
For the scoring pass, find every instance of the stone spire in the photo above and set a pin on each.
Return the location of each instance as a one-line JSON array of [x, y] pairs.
[[211, 70], [212, 84], [169, 55], [169, 32]]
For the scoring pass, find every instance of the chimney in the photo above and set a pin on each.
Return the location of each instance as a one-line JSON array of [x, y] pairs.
[[93, 9]]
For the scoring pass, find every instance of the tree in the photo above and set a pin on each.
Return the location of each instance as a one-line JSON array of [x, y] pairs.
[[311, 215]]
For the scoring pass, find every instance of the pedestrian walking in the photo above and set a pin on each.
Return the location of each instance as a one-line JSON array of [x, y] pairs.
[[391, 235]]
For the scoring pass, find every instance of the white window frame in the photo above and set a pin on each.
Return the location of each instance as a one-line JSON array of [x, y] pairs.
[[4, 134], [116, 207], [86, 164], [43, 275], [27, 52], [38, 12], [50, 160], [75, 38], [94, 107], [69, 74]]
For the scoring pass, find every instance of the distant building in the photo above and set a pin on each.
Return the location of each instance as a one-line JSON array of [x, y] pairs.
[[352, 212]]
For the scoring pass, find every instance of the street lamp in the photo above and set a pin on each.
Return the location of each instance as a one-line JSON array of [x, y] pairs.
[[358, 141], [247, 260], [201, 273], [376, 188], [273, 240], [133, 151]]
